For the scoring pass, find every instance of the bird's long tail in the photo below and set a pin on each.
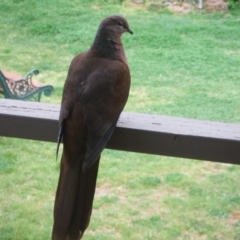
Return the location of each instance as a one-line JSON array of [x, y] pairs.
[[74, 198]]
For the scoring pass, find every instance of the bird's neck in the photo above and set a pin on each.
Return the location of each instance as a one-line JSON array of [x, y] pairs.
[[108, 45]]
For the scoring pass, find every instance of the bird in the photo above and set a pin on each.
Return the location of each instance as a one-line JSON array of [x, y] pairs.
[[94, 94]]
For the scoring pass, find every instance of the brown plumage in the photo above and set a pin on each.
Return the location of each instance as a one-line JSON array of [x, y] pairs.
[[94, 95]]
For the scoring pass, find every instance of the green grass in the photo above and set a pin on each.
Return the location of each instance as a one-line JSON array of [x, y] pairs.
[[181, 65]]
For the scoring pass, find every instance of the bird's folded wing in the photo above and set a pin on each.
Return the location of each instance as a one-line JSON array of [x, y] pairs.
[[95, 145]]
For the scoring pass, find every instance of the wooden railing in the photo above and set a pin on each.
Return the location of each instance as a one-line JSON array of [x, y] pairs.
[[143, 133]]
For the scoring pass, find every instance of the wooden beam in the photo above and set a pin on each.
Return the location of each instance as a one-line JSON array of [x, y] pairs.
[[143, 133]]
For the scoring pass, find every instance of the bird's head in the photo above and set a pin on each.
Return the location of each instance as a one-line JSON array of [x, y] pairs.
[[115, 24], [107, 42]]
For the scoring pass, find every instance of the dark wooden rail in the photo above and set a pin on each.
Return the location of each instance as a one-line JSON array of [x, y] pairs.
[[144, 133]]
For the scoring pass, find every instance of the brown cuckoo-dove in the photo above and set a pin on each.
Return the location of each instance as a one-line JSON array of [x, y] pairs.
[[94, 95]]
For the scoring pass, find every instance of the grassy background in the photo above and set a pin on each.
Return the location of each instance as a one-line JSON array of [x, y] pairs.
[[181, 65]]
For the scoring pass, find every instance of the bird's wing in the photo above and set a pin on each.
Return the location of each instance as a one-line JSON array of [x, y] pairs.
[[74, 78], [96, 144], [103, 103], [102, 90]]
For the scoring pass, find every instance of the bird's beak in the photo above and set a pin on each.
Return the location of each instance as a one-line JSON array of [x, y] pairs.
[[129, 30]]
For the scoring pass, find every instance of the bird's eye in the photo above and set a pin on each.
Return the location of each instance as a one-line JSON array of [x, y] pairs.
[[120, 24]]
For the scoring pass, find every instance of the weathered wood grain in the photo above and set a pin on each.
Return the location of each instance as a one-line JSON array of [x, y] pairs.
[[144, 133]]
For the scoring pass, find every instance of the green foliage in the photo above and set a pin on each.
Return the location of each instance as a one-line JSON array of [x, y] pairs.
[[181, 66], [234, 4]]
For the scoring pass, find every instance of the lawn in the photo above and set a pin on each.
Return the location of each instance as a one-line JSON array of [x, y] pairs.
[[181, 65]]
